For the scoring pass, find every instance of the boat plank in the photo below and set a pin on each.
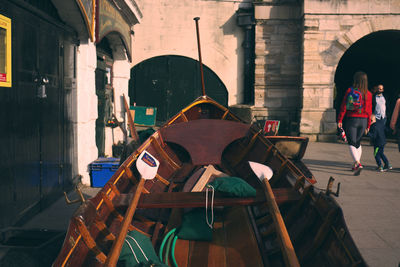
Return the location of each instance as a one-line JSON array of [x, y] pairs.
[[241, 248], [197, 199], [217, 248], [182, 252]]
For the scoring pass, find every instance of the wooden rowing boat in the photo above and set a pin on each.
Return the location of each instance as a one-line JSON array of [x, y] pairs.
[[294, 148], [288, 222]]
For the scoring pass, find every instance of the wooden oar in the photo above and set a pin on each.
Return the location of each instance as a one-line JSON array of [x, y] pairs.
[[147, 166], [264, 173], [132, 128], [203, 89]]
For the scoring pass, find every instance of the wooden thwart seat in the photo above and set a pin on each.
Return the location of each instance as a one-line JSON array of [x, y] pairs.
[[197, 199], [233, 244], [217, 134]]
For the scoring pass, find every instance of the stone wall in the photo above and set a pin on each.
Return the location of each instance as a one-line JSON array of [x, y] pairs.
[[167, 28], [278, 38], [330, 28], [298, 49]]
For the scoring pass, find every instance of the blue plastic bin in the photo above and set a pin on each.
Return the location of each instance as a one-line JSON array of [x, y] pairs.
[[101, 170]]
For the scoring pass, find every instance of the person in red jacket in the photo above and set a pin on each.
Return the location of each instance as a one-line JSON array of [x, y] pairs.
[[356, 107]]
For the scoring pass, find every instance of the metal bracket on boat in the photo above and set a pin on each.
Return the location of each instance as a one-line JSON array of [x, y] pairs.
[[80, 199], [329, 187]]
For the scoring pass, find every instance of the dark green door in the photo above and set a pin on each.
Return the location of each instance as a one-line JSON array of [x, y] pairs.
[[170, 83]]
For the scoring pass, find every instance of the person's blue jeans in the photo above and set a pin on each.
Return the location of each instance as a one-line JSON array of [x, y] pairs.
[[380, 156]]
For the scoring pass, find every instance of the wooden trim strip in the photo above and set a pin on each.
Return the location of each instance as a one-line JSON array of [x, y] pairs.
[[103, 228], [268, 231], [225, 114], [300, 182], [264, 219], [71, 250], [340, 240], [196, 199], [267, 154], [111, 207], [128, 172], [282, 167], [114, 189], [164, 154], [144, 220], [161, 179], [247, 149], [322, 233], [184, 116], [89, 241]]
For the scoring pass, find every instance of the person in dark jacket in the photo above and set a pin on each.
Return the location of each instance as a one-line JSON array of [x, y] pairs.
[[378, 139]]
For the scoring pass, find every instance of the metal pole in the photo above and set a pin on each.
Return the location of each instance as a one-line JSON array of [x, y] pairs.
[[200, 62]]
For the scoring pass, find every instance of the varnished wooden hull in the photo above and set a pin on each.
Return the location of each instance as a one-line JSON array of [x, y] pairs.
[[245, 234]]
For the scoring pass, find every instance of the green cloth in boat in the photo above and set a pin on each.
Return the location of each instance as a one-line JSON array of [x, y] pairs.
[[127, 257], [194, 226], [233, 186]]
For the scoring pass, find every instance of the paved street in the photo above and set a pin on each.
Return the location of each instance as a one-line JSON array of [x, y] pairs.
[[370, 202]]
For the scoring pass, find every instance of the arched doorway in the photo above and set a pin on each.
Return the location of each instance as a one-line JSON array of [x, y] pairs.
[[378, 55], [172, 82]]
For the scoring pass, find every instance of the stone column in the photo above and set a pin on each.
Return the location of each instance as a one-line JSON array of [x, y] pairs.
[[277, 93], [86, 109], [318, 117]]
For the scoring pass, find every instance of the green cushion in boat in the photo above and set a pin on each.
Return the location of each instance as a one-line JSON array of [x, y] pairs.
[[194, 226], [127, 258], [233, 186]]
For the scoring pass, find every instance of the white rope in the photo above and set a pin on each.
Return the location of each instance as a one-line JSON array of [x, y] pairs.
[[133, 252], [138, 247], [210, 224]]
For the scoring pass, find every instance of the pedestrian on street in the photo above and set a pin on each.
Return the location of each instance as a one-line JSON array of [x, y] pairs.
[[395, 121], [379, 104], [356, 109], [378, 139]]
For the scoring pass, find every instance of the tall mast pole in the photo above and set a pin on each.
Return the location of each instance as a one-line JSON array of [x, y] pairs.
[[196, 19]]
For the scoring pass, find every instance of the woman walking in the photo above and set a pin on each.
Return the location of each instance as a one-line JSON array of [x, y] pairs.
[[356, 107]]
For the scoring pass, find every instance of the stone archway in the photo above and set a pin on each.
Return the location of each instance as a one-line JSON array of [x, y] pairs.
[[371, 46], [318, 118], [378, 55], [366, 27], [171, 82]]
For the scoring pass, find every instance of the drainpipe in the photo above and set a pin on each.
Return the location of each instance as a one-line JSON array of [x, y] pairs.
[[245, 20]]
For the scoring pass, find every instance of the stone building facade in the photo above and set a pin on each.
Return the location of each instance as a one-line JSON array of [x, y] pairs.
[[299, 46], [167, 28]]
